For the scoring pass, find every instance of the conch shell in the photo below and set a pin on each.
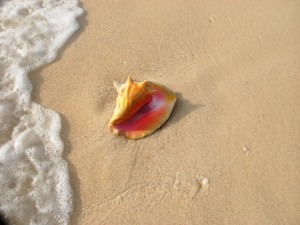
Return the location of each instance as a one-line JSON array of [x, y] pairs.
[[142, 107]]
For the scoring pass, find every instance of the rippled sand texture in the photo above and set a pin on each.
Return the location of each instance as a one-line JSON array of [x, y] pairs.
[[230, 152]]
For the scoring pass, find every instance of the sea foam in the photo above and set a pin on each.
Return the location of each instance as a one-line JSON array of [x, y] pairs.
[[34, 180]]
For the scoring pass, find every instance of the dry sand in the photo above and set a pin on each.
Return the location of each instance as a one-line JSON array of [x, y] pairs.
[[230, 152]]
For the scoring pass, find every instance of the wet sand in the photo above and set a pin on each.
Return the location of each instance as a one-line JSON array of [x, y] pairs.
[[229, 153]]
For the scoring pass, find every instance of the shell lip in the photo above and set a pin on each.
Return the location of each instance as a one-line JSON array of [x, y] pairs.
[[119, 120]]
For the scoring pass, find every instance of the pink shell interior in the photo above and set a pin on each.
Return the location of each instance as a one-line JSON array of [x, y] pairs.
[[150, 116]]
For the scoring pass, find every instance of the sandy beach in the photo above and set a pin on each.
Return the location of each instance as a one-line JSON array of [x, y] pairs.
[[229, 154]]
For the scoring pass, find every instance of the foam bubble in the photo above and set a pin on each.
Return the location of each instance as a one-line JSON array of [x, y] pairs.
[[35, 187]]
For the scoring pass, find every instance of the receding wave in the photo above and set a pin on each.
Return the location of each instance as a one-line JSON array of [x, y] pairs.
[[34, 178]]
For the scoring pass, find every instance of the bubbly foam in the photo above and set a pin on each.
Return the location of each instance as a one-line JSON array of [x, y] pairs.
[[34, 177]]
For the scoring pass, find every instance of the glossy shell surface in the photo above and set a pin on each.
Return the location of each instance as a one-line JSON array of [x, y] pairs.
[[142, 107]]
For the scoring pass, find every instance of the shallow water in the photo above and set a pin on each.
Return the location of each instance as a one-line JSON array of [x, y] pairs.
[[34, 178]]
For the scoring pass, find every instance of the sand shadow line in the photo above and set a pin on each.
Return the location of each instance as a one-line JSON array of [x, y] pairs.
[[182, 109]]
